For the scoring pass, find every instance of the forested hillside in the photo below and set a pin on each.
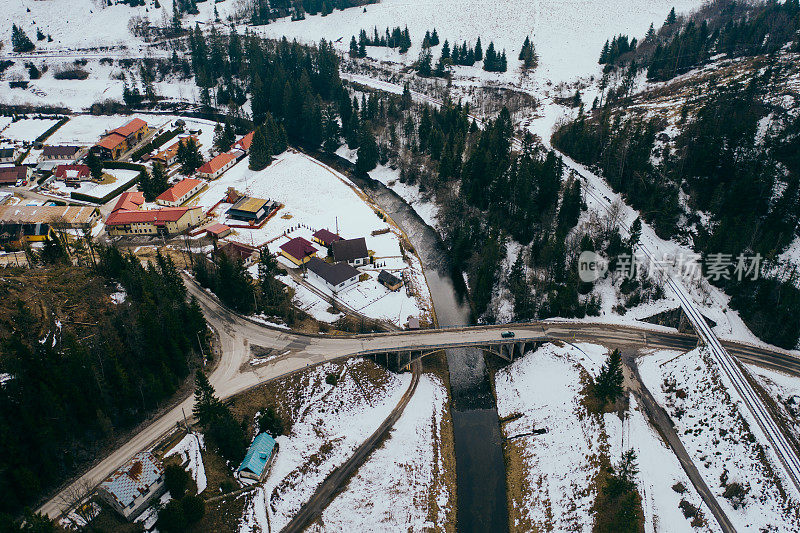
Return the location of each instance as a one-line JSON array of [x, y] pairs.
[[78, 368], [712, 160]]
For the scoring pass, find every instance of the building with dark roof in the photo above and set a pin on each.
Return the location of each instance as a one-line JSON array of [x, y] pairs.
[[130, 489], [11, 176], [325, 237], [298, 251], [351, 251], [336, 276], [59, 153], [389, 281], [250, 209], [8, 155]]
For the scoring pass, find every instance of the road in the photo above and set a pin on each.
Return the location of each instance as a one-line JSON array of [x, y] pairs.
[[296, 352]]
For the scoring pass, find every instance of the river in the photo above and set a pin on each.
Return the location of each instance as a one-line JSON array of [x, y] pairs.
[[480, 468]]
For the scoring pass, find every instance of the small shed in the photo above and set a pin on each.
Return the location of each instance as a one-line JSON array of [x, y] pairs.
[[325, 237], [413, 323], [259, 457], [389, 281], [217, 230]]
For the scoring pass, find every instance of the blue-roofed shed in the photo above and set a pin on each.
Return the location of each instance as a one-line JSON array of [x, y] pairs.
[[259, 457]]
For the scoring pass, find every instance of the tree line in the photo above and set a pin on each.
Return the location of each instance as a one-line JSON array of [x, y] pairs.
[[68, 394]]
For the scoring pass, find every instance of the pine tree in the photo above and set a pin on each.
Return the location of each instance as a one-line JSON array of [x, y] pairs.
[[158, 180], [425, 63], [95, 166], [353, 47], [260, 154], [189, 156], [367, 151], [608, 386], [671, 18], [445, 50], [434, 38], [651, 33], [20, 41], [478, 50]]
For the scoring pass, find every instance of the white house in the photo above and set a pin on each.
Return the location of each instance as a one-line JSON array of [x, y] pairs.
[[336, 276]]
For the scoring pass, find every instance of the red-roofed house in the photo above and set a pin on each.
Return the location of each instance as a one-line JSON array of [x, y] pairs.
[[119, 140], [128, 218], [325, 237], [244, 143], [180, 192], [214, 168], [129, 201], [73, 174], [298, 251], [217, 230], [170, 155]]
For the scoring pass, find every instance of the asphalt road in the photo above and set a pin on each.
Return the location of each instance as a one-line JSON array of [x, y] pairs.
[[294, 352]]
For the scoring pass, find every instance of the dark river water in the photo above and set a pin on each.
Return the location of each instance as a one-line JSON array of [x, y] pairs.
[[480, 469]]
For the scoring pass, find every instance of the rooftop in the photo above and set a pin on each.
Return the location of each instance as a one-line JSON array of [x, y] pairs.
[[217, 163], [258, 454], [60, 151], [12, 174], [179, 190], [326, 237], [350, 249], [332, 273], [245, 142], [133, 479], [129, 201], [249, 204], [388, 278], [298, 248], [34, 214], [159, 217]]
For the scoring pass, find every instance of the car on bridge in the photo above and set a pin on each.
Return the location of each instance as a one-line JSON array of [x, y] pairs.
[[507, 334]]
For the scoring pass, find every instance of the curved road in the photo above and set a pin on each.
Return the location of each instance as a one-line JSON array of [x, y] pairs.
[[296, 352]]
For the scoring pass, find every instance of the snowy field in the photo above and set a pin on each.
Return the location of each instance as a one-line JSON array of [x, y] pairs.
[[328, 424], [543, 390], [400, 488], [27, 129], [317, 197], [568, 34], [97, 190], [717, 436]]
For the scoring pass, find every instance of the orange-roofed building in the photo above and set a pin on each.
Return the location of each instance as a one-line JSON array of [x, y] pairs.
[[180, 192], [120, 140], [129, 201], [214, 168], [244, 143], [170, 155]]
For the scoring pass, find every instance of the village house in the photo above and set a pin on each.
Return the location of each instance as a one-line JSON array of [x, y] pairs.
[[250, 209], [325, 237], [237, 251], [336, 276], [389, 281], [14, 176], [351, 251], [31, 223], [59, 153], [73, 174], [8, 155], [259, 458], [127, 218], [214, 168], [180, 192], [170, 155], [244, 143], [120, 140], [130, 489], [298, 251], [217, 230]]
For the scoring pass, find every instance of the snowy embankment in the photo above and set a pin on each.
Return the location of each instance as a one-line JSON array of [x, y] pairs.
[[328, 424], [189, 451], [552, 483], [741, 473], [400, 487]]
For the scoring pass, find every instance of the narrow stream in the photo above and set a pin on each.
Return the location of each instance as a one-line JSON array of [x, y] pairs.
[[480, 468]]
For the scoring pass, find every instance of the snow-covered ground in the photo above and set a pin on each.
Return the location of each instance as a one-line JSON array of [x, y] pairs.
[[542, 390], [121, 178], [317, 197], [717, 435], [189, 450], [26, 129], [400, 486], [328, 424]]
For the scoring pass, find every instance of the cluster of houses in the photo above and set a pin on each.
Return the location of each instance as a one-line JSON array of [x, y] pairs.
[[345, 255], [131, 489]]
